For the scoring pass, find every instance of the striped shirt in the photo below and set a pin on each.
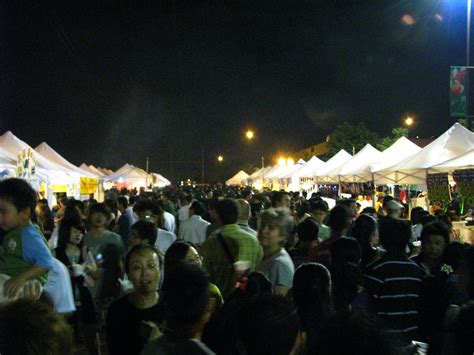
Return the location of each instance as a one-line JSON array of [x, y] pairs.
[[394, 284]]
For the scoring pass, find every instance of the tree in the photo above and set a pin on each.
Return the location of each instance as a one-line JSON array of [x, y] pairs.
[[348, 136], [463, 121], [392, 138]]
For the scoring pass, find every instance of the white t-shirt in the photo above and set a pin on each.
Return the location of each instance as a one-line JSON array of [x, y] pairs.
[[164, 239], [59, 288], [183, 213], [170, 223], [194, 230]]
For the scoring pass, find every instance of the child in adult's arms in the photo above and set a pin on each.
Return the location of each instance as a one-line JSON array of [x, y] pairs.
[[25, 254]]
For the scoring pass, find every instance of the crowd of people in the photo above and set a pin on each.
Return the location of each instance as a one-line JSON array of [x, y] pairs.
[[230, 271]]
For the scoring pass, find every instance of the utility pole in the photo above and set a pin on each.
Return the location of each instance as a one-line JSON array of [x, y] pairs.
[[147, 164]]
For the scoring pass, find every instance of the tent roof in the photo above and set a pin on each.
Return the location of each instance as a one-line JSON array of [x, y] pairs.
[[456, 141], [335, 162], [47, 170], [159, 177], [131, 173], [237, 178], [358, 168], [256, 172], [309, 169], [262, 173], [90, 169], [45, 150], [465, 160], [403, 148]]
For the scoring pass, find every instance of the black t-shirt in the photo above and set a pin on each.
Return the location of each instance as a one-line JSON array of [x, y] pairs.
[[123, 322]]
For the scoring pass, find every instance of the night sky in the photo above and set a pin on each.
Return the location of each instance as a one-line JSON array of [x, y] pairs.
[[110, 82]]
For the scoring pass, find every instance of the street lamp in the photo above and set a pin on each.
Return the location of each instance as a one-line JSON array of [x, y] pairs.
[[249, 134], [409, 121], [220, 158]]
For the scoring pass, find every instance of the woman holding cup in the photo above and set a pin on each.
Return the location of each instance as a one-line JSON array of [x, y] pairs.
[[71, 253]]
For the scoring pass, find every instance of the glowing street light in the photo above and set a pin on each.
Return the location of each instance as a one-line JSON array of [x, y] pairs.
[[409, 121], [281, 161], [220, 158], [285, 161], [249, 134]]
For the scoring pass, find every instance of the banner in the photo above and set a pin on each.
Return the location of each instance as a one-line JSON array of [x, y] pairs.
[[88, 185], [458, 91], [465, 185], [26, 164], [438, 188]]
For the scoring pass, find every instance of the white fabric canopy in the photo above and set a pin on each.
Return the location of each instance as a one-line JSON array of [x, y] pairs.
[[237, 178], [358, 168], [91, 170], [130, 175], [159, 180], [453, 143], [46, 170], [307, 170], [332, 164], [45, 150], [402, 149], [464, 161]]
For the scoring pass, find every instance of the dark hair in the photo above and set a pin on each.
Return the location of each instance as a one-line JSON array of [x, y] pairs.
[[64, 230], [394, 234], [33, 327], [415, 215], [132, 199], [303, 208], [227, 211], [258, 283], [346, 273], [176, 253], [308, 230], [267, 324], [339, 218], [453, 254], [435, 228], [311, 294], [369, 211], [426, 218], [318, 205], [100, 208], [121, 200], [184, 306], [346, 202], [146, 231], [198, 208], [138, 249], [277, 196], [364, 227], [354, 333], [19, 193]]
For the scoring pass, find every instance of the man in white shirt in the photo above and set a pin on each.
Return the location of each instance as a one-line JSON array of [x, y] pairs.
[[194, 229], [169, 222], [164, 239], [59, 288], [183, 212]]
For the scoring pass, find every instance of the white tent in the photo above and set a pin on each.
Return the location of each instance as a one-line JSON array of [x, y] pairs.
[[94, 172], [307, 170], [46, 170], [237, 179], [45, 150], [402, 149], [332, 164], [159, 180], [131, 176], [464, 161], [456, 141], [357, 169]]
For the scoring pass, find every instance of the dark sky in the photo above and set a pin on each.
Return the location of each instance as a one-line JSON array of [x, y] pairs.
[[109, 82]]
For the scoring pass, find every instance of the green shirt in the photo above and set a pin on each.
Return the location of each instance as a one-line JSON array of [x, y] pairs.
[[324, 232], [243, 246]]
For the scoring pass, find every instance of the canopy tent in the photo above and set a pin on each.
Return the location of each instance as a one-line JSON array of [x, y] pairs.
[[130, 176], [288, 170], [45, 150], [464, 161], [357, 169], [46, 170], [331, 165], [402, 149], [159, 180], [237, 179], [105, 171], [306, 170], [262, 173], [455, 142]]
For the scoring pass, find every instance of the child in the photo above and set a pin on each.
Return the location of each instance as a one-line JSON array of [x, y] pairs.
[[25, 254]]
